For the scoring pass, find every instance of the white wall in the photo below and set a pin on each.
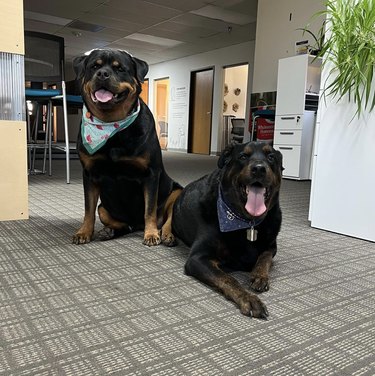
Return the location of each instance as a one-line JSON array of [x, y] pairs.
[[276, 35], [179, 72], [342, 193], [236, 78]]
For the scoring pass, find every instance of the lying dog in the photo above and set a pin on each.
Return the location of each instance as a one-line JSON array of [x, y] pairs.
[[230, 219], [120, 152]]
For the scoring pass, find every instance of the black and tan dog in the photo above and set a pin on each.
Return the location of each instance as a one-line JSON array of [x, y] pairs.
[[120, 152], [230, 219]]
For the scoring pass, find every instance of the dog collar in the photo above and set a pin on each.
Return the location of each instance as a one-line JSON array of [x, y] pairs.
[[95, 132], [229, 220]]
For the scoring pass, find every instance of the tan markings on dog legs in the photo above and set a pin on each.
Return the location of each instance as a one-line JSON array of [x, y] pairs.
[[259, 276], [151, 235], [249, 304], [85, 232], [108, 221], [166, 231]]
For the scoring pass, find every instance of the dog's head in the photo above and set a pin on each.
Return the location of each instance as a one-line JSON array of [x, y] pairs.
[[251, 177], [110, 82]]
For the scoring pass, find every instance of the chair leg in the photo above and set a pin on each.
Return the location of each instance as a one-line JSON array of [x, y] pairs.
[[46, 139], [67, 149], [28, 139], [35, 137], [49, 120]]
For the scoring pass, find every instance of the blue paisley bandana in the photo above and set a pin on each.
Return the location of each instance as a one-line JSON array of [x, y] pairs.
[[229, 220]]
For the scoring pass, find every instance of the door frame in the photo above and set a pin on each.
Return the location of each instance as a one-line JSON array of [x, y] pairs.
[[191, 105], [155, 109]]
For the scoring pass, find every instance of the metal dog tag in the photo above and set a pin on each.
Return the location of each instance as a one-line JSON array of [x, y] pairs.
[[252, 234]]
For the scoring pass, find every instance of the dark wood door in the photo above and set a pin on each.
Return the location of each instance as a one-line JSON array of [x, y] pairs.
[[201, 112]]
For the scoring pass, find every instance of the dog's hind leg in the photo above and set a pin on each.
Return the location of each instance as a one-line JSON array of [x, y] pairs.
[[112, 228], [209, 272], [167, 236]]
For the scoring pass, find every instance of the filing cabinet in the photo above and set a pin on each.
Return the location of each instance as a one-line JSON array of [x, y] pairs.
[[298, 86]]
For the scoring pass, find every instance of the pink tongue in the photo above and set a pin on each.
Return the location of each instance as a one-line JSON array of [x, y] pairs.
[[255, 201], [103, 95]]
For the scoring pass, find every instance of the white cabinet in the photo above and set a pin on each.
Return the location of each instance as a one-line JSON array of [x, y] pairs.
[[298, 86]]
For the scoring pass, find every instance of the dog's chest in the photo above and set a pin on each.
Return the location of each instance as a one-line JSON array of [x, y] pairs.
[[118, 165], [237, 252]]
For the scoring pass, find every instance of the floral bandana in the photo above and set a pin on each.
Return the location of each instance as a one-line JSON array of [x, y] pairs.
[[95, 132]]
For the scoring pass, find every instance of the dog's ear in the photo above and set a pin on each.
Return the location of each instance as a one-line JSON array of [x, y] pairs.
[[79, 64], [279, 158], [141, 69], [225, 156]]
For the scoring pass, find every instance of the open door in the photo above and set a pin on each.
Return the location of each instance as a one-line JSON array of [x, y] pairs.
[[161, 90], [201, 111], [144, 92]]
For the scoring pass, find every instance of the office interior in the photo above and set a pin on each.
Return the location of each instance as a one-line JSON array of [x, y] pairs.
[[119, 307]]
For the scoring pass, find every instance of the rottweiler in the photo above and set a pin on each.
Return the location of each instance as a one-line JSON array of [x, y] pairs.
[[230, 219], [120, 153]]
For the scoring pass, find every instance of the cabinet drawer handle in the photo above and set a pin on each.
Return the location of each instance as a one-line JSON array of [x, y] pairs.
[[285, 148], [287, 117], [287, 133]]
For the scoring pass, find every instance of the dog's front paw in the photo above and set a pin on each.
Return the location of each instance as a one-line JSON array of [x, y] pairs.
[[169, 240], [251, 305], [151, 239], [82, 238], [259, 283]]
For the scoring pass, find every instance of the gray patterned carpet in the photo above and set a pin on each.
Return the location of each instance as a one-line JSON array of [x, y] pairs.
[[121, 308]]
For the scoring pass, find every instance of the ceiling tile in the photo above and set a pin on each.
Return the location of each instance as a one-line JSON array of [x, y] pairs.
[[168, 19], [193, 20], [181, 5], [144, 9], [126, 27], [125, 16]]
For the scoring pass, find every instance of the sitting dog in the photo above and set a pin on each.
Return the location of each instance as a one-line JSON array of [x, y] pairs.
[[120, 152], [230, 219]]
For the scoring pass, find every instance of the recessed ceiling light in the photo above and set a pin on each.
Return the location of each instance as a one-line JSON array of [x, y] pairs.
[[80, 25], [46, 18], [216, 13], [154, 40]]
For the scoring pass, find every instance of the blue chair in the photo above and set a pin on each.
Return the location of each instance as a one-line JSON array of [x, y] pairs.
[[44, 70]]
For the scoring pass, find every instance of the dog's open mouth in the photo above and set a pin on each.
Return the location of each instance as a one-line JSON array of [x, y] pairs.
[[105, 96], [256, 199]]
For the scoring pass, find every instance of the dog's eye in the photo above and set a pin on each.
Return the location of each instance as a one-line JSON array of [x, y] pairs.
[[120, 69], [243, 157], [271, 157]]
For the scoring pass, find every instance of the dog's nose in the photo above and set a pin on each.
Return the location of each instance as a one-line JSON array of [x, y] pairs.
[[258, 170], [102, 74]]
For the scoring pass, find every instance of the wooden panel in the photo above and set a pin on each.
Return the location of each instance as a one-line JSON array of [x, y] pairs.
[[201, 112], [144, 92], [11, 27], [13, 167]]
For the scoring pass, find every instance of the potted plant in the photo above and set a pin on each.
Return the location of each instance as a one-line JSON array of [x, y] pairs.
[[349, 48], [316, 48], [342, 198]]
